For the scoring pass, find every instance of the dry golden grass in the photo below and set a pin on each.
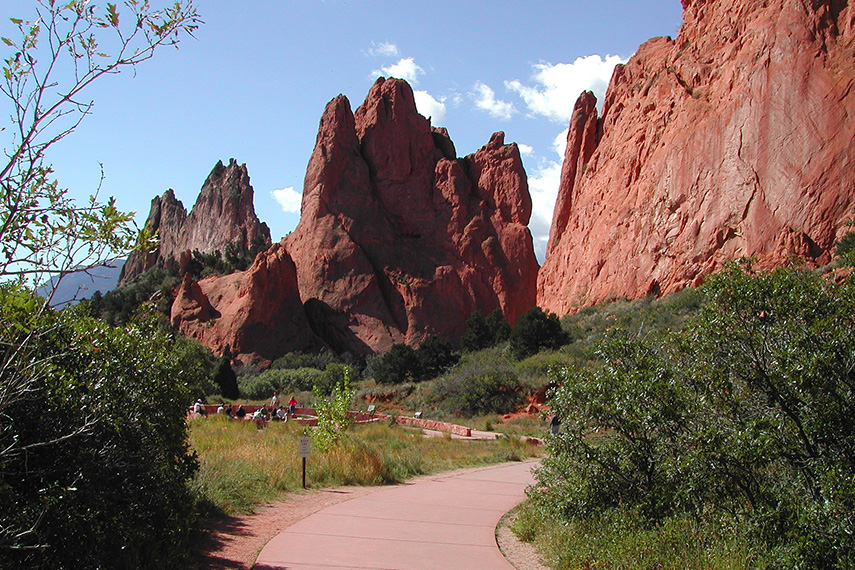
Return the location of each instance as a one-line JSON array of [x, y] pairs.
[[241, 466]]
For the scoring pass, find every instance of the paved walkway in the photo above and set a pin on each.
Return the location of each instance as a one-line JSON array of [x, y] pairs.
[[445, 522]]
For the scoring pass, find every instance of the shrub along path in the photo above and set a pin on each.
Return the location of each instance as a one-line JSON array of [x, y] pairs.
[[445, 521]]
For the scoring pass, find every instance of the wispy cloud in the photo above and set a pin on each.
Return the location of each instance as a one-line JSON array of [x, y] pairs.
[[384, 49], [556, 87], [485, 100], [406, 68], [289, 199], [430, 107], [543, 185]]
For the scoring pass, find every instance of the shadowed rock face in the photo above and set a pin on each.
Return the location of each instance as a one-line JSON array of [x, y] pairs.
[[223, 214], [398, 239], [733, 140], [257, 313]]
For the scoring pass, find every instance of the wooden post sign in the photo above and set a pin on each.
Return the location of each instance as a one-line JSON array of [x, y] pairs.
[[305, 447]]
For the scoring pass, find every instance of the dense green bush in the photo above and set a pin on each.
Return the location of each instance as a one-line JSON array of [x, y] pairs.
[[478, 387], [435, 355], [398, 365], [94, 464], [261, 386], [746, 415], [225, 378], [536, 331], [483, 332], [403, 363]]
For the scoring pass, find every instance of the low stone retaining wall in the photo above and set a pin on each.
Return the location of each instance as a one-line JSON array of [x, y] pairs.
[[431, 424]]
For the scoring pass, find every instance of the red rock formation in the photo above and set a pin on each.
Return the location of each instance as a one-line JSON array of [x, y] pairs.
[[397, 238], [223, 214], [166, 217], [257, 313], [733, 140]]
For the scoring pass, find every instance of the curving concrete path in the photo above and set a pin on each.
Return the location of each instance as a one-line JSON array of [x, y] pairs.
[[443, 522]]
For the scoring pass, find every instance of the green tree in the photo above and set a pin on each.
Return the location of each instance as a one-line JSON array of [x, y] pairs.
[[745, 417], [478, 335], [499, 326], [435, 355], [95, 467], [56, 56], [93, 458], [398, 365], [484, 332], [332, 410], [226, 378], [536, 331]]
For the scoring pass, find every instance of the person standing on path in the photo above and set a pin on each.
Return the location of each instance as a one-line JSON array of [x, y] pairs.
[[292, 406], [555, 425]]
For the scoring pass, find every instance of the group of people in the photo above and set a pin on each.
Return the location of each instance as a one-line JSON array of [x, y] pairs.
[[262, 414]]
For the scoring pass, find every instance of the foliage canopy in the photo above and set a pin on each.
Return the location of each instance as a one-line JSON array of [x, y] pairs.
[[747, 415]]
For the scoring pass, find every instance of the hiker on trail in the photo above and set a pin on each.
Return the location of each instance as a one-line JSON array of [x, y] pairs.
[[221, 409], [292, 405], [274, 401], [199, 409], [241, 413], [554, 425]]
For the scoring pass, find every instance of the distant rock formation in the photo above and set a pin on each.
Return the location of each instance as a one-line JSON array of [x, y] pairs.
[[399, 239], [223, 214], [734, 140]]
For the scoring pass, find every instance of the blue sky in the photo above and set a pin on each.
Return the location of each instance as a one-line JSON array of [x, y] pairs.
[[254, 82]]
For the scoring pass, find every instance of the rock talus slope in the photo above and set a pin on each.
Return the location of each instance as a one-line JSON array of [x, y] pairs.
[[399, 239], [732, 140], [224, 213]]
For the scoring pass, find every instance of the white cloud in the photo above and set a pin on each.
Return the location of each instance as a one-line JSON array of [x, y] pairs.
[[559, 143], [405, 69], [556, 87], [430, 107], [385, 49], [485, 100], [289, 199], [543, 185], [525, 149]]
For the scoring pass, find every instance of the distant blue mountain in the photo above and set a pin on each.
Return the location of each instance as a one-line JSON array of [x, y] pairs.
[[79, 285]]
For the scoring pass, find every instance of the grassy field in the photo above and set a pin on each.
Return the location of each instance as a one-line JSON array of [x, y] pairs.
[[241, 466]]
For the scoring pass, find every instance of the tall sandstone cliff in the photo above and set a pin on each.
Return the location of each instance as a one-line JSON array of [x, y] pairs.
[[733, 140], [224, 213], [398, 239]]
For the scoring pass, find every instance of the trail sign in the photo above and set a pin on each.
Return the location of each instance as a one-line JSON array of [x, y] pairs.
[[305, 446]]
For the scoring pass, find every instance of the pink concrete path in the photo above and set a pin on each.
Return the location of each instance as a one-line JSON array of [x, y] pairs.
[[444, 522]]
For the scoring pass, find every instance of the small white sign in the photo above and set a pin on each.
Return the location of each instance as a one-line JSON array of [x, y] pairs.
[[305, 446]]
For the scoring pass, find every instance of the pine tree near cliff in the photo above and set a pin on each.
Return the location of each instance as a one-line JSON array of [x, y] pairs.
[[226, 378]]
